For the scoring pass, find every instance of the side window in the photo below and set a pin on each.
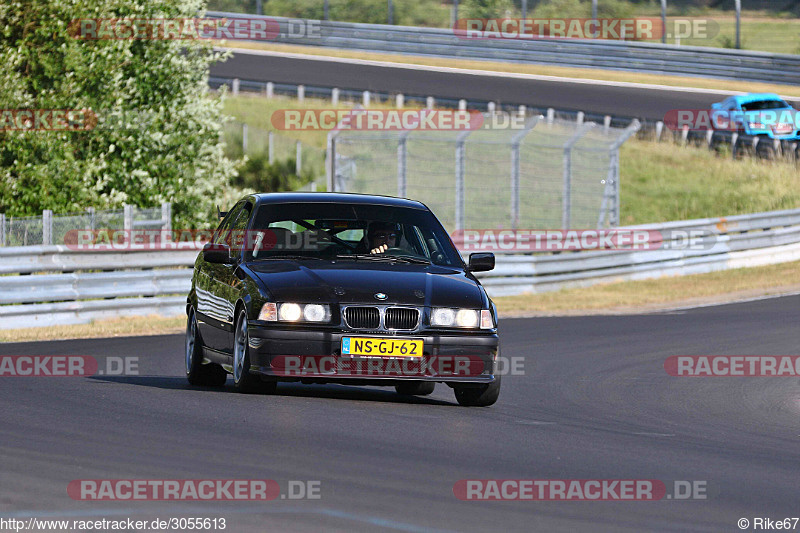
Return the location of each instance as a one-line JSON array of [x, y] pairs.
[[223, 231], [238, 227]]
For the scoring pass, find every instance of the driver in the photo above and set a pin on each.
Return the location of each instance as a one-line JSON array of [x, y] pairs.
[[382, 236]]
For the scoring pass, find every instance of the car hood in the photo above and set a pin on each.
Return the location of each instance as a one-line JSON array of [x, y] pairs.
[[359, 282]]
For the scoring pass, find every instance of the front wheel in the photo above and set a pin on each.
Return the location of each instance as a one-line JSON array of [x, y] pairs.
[[482, 396], [243, 380], [209, 375]]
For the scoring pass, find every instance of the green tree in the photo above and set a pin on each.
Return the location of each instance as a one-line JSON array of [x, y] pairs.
[[158, 135]]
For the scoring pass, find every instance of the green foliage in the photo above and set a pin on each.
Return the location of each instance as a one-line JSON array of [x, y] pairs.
[[583, 9], [487, 9], [414, 13], [258, 175], [166, 147]]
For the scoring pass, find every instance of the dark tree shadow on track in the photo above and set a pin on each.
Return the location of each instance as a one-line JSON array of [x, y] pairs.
[[299, 390]]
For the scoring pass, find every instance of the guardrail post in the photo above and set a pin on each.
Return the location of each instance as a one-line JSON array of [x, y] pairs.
[[166, 216], [462, 105], [580, 117], [244, 138], [402, 155], [659, 130], [335, 96], [430, 102], [301, 93], [491, 107], [271, 147], [734, 140], [522, 110], [298, 158], [270, 89], [399, 101], [2, 229], [365, 99], [47, 227], [606, 124], [685, 134], [235, 87], [709, 137], [551, 114], [460, 149], [127, 218]]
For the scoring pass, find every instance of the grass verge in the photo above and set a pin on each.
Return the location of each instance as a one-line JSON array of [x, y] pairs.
[[117, 327], [658, 294]]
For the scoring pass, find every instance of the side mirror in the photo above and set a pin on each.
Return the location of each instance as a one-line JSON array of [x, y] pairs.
[[217, 253], [481, 262]]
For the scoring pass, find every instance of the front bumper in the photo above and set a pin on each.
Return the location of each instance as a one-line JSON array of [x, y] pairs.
[[443, 352]]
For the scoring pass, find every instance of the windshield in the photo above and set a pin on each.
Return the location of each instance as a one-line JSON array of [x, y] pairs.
[[764, 104], [354, 232]]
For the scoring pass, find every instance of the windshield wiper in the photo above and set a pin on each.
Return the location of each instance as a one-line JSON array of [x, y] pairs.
[[383, 258], [288, 256]]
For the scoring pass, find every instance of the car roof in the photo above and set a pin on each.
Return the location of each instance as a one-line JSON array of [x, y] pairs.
[[335, 198], [755, 97]]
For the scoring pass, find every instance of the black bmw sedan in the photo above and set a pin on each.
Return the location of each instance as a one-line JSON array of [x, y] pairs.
[[342, 288]]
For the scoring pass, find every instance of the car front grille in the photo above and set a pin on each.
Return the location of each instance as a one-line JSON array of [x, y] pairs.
[[401, 318], [362, 317]]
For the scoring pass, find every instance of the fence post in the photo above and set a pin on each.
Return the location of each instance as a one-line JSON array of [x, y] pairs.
[[2, 229], [460, 149], [365, 99], [270, 89], [606, 124], [244, 138], [301, 93], [47, 226], [166, 216], [235, 87], [551, 114], [566, 195], [430, 102], [298, 158], [127, 218], [664, 21], [515, 168], [271, 148], [462, 105], [659, 129], [399, 101], [734, 140], [331, 163], [402, 154], [335, 96]]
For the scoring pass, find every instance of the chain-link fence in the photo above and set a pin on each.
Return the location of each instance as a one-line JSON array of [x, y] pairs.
[[243, 139], [551, 173], [53, 229]]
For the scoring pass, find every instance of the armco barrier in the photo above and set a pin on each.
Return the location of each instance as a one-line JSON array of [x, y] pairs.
[[50, 285], [620, 55]]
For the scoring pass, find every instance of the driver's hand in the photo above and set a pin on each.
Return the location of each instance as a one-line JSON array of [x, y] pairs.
[[380, 249]]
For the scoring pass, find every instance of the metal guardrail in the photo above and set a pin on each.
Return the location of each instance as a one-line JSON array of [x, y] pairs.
[[147, 282], [619, 55]]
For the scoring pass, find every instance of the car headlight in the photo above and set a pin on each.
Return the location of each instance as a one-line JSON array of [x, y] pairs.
[[292, 312], [461, 318]]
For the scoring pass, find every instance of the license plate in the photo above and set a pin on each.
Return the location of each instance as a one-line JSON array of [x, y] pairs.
[[377, 347]]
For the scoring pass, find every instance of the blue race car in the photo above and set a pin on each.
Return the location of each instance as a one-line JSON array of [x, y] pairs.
[[758, 114]]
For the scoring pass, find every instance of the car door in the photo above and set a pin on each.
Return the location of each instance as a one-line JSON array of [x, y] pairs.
[[214, 312]]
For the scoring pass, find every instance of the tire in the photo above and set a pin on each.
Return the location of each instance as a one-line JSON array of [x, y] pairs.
[[243, 380], [210, 375], [415, 388], [482, 396]]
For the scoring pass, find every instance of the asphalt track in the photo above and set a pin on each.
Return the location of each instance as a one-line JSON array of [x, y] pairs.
[[646, 103], [594, 403]]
